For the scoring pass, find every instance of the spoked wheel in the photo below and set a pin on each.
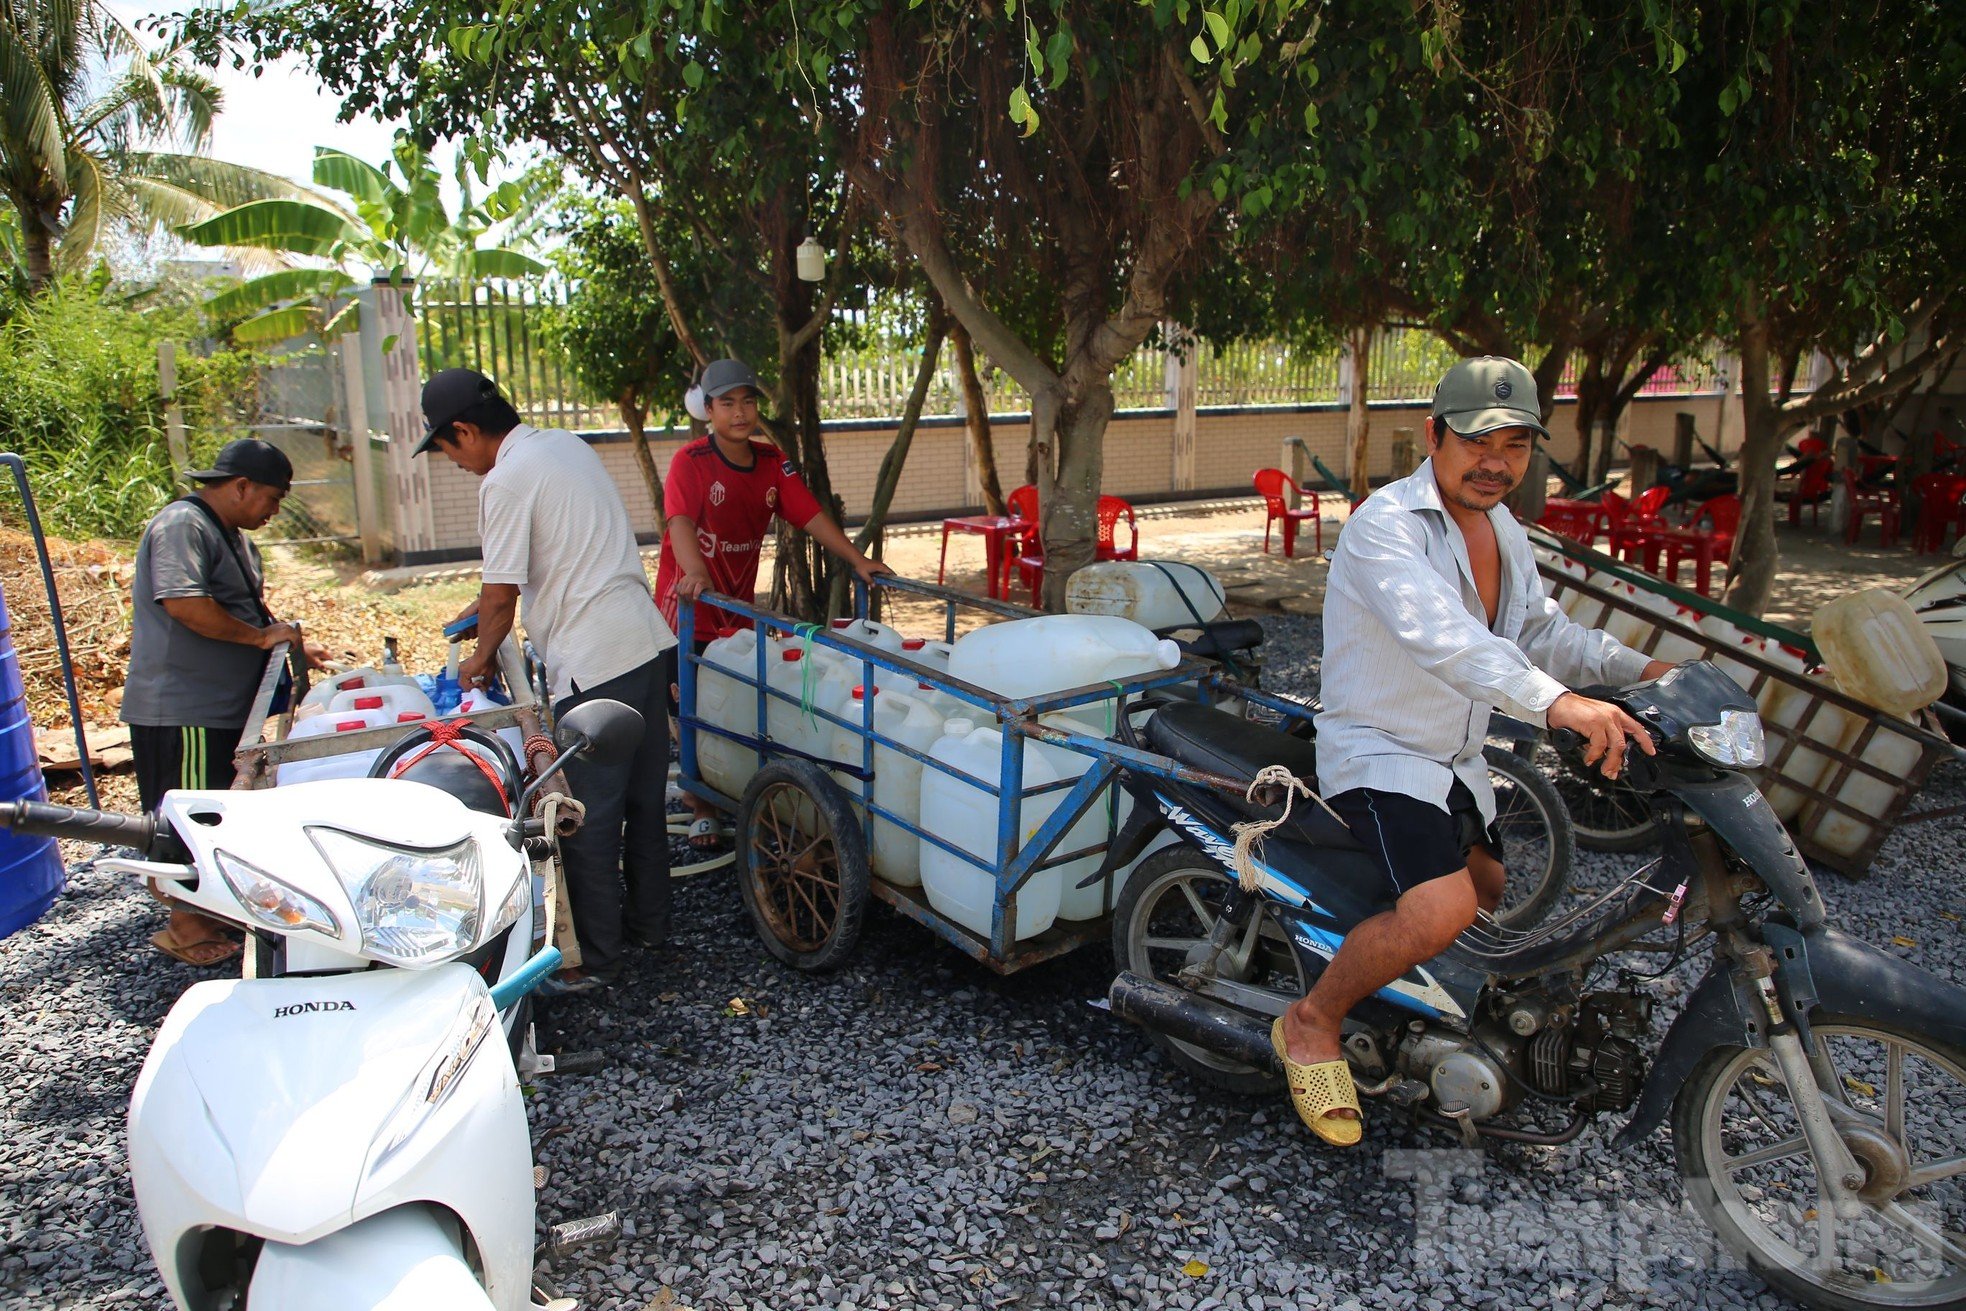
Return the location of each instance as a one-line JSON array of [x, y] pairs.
[[801, 865], [1536, 832], [1161, 926], [1608, 816], [1899, 1102]]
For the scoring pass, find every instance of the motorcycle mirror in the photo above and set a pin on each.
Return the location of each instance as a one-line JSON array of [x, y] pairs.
[[605, 732]]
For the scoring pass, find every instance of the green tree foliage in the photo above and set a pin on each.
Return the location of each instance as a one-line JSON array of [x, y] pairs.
[[393, 226], [79, 401], [82, 98]]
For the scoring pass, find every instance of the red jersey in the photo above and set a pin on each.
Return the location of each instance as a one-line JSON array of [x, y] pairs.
[[732, 508]]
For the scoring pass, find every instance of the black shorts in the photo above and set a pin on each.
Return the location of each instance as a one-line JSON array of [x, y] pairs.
[[181, 756], [1416, 841]]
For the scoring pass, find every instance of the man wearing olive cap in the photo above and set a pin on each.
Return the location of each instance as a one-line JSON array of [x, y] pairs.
[[199, 637], [556, 534], [1434, 614]]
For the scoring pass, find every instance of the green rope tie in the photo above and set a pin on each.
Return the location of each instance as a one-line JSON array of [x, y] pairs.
[[807, 679]]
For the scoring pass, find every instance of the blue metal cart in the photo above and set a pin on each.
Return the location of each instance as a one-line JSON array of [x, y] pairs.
[[802, 839]]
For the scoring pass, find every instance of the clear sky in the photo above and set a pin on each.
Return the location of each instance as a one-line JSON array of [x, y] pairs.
[[274, 121]]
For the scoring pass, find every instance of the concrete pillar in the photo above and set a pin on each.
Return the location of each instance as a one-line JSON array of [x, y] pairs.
[[1405, 453], [390, 359], [355, 404], [1183, 373], [1682, 439]]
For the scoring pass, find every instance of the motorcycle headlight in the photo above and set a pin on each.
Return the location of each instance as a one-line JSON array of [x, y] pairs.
[[1734, 743], [414, 905], [273, 903]]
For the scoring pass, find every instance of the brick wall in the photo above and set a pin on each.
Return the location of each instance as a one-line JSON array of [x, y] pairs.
[[1139, 457]]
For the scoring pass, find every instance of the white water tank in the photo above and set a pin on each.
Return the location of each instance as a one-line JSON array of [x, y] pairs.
[[1153, 593], [1879, 652]]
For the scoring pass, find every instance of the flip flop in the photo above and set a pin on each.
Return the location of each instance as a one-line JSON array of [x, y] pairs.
[[706, 834], [203, 954], [1318, 1090]]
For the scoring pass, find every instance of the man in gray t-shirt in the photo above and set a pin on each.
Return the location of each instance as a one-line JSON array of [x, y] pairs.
[[199, 634]]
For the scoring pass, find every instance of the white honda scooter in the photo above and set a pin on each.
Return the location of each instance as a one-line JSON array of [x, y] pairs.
[[330, 1135]]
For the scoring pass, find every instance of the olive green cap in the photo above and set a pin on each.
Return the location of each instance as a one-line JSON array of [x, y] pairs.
[[1487, 392]]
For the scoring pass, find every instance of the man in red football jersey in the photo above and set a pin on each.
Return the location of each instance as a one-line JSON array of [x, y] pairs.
[[721, 494]]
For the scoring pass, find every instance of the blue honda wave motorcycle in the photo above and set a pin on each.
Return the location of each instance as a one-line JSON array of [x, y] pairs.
[[1816, 1086]]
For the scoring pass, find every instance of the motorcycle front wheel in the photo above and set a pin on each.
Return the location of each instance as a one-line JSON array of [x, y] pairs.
[[1899, 1102]]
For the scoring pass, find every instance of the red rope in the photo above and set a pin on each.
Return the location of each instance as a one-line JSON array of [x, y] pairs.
[[449, 733]]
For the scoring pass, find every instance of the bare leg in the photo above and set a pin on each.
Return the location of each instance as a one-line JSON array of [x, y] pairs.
[[1489, 877], [1375, 953]]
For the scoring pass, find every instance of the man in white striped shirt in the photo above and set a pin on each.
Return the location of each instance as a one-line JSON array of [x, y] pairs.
[[1434, 614]]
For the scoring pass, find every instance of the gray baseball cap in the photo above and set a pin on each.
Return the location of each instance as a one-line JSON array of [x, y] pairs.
[[1487, 392], [720, 376]]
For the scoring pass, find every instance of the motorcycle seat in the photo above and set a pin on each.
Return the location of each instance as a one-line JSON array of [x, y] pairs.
[[1206, 738]]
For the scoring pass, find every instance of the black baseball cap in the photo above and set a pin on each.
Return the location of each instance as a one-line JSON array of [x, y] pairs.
[[447, 396], [263, 462]]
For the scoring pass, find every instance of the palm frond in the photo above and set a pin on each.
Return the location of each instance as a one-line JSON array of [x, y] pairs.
[[344, 172], [273, 288], [30, 113], [97, 206], [299, 227], [221, 183], [193, 102], [277, 325]]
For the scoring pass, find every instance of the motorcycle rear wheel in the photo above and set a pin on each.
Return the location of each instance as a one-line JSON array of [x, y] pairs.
[[1163, 919], [1908, 1095]]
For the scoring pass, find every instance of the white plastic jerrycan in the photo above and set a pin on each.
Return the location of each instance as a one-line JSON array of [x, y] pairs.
[[897, 781], [387, 701], [323, 692], [727, 696], [348, 764], [1153, 593], [1097, 825], [814, 685], [1879, 652], [964, 815], [1054, 653]]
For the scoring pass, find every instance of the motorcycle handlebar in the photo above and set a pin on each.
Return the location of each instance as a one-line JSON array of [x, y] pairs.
[[46, 819]]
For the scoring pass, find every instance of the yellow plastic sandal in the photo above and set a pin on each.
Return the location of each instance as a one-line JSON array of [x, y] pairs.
[[1318, 1090]]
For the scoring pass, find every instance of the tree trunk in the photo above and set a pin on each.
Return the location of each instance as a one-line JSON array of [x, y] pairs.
[[1069, 508], [1592, 393], [802, 575], [40, 247], [976, 419], [1751, 571], [1358, 418], [872, 537], [634, 417]]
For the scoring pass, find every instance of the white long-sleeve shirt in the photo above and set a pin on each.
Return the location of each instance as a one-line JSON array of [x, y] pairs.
[[1412, 668]]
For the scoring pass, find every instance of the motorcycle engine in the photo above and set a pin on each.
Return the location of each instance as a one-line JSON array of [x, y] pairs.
[[1459, 1072], [1600, 1052]]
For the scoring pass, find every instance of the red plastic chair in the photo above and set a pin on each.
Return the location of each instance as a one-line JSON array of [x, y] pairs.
[[1112, 509], [1632, 526], [1704, 546], [1023, 551], [1274, 486], [1941, 505], [1880, 501], [1580, 523]]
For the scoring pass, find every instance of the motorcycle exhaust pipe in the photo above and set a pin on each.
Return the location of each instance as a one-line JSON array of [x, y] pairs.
[[1205, 1023]]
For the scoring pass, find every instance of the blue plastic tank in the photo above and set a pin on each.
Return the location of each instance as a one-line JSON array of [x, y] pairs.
[[31, 872]]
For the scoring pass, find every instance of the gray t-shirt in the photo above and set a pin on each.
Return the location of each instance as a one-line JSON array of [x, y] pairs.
[[176, 676]]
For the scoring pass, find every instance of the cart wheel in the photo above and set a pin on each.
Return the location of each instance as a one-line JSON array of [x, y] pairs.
[[802, 865]]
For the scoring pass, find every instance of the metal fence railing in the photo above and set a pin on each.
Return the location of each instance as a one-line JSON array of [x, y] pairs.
[[505, 329]]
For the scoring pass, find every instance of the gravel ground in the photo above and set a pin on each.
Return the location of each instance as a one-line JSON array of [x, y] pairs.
[[914, 1131]]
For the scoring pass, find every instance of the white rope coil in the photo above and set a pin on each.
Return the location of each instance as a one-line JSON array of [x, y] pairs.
[[1250, 833]]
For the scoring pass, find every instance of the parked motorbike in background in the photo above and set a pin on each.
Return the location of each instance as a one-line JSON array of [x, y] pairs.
[[1816, 1085], [337, 1129]]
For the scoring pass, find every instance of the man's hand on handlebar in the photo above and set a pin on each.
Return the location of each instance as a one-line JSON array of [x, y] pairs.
[[1604, 726]]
